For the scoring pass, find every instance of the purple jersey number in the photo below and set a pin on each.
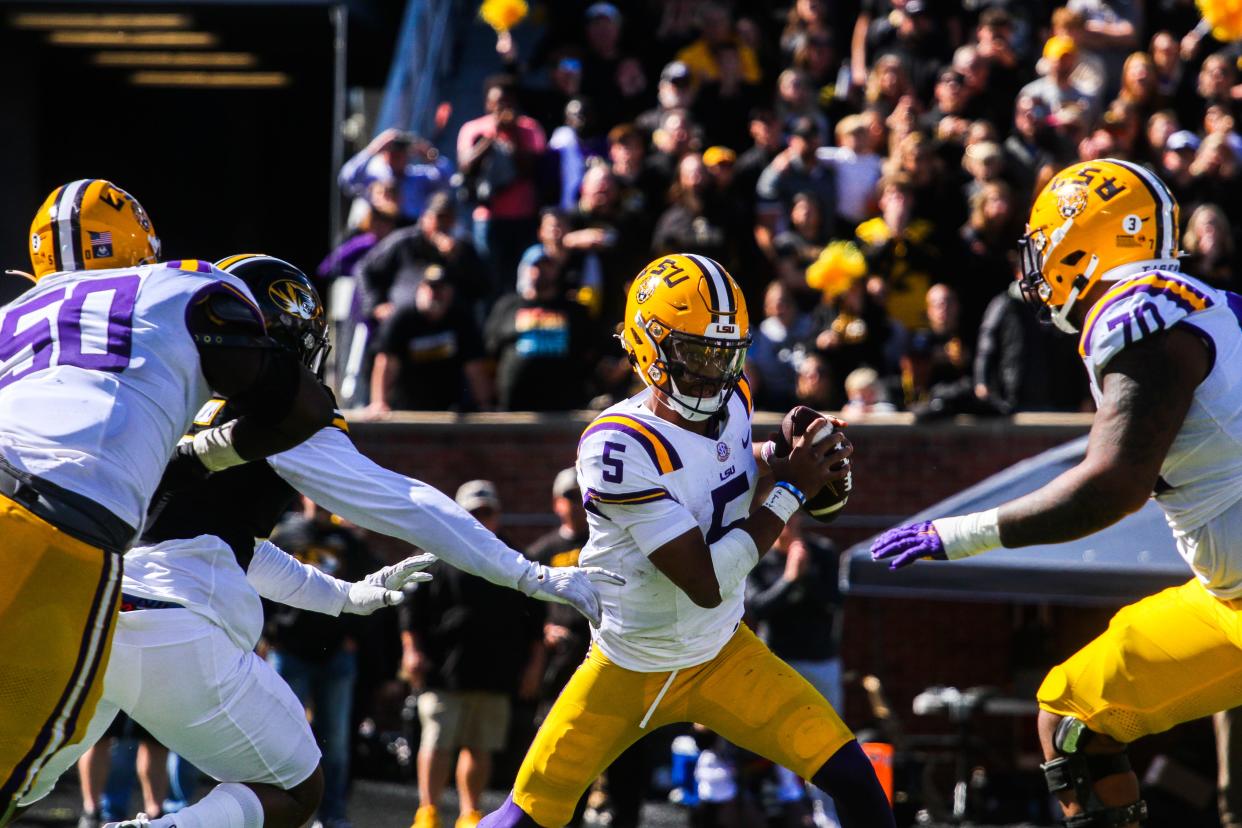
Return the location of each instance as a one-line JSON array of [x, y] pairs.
[[722, 496], [102, 310]]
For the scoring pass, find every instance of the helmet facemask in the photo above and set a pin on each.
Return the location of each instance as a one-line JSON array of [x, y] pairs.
[[696, 375], [1033, 251]]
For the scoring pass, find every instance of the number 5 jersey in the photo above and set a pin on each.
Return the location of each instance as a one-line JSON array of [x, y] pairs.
[[1200, 482], [644, 482], [100, 377]]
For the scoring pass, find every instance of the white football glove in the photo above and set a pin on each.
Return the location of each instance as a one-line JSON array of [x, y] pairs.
[[382, 588], [569, 585]]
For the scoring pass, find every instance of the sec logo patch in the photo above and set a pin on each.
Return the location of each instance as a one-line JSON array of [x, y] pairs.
[[722, 451]]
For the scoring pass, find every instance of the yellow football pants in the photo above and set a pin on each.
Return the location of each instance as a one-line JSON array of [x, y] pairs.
[[746, 694], [1170, 658], [58, 602]]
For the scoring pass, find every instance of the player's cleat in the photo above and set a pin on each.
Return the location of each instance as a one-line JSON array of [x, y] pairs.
[[427, 816], [469, 820], [90, 821]]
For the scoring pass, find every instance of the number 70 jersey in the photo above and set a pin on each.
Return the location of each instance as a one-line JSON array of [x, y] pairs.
[[100, 377], [645, 482], [1201, 475]]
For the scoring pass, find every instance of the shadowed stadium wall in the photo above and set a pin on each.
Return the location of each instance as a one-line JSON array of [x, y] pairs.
[[220, 171]]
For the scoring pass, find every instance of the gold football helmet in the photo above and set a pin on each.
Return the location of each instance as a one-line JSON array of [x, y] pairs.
[[1095, 221], [686, 331], [91, 224]]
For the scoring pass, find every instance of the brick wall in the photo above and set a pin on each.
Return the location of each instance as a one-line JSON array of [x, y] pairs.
[[899, 469]]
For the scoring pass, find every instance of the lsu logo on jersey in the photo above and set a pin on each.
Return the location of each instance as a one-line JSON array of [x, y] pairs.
[[294, 299]]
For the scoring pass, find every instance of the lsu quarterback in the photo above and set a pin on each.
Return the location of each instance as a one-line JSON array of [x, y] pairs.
[[1163, 351], [669, 479], [102, 366], [183, 664]]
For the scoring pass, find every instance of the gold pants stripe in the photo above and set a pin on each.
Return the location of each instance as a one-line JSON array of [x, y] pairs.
[[57, 613]]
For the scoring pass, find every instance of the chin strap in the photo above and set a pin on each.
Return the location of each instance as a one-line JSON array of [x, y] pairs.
[[1060, 317]]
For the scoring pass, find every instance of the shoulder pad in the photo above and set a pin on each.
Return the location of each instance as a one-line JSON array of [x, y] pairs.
[[622, 460], [1135, 309], [220, 314], [650, 447], [191, 266]]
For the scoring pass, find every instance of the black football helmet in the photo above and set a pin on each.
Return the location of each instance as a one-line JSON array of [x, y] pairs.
[[292, 309]]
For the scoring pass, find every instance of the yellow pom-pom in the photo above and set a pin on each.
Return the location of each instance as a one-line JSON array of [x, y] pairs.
[[839, 265], [1224, 16], [503, 15]]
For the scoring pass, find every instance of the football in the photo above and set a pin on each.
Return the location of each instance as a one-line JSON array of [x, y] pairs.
[[826, 504]]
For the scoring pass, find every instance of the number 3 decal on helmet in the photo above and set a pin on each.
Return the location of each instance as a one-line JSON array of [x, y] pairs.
[[686, 331]]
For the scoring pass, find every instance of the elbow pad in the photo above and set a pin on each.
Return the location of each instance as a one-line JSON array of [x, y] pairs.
[[733, 557]]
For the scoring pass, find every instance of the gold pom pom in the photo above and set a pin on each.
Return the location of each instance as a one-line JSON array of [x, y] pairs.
[[839, 265], [1224, 16], [503, 15]]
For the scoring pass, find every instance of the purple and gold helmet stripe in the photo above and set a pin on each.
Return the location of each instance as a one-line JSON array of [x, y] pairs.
[[626, 498], [717, 287], [1187, 297], [659, 449], [67, 226]]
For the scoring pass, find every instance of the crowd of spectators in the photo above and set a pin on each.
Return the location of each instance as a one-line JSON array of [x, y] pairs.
[[862, 168]]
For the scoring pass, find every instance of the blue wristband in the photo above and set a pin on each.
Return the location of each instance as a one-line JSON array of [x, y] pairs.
[[793, 490]]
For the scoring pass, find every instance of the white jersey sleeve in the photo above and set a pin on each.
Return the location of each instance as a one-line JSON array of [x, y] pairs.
[[330, 470], [280, 577], [1134, 310], [621, 482]]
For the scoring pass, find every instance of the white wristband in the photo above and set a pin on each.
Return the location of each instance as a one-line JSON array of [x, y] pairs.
[[969, 535], [782, 502], [214, 447]]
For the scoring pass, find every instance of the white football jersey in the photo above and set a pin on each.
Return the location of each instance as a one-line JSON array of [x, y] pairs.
[[645, 481], [1201, 477], [99, 378], [202, 575]]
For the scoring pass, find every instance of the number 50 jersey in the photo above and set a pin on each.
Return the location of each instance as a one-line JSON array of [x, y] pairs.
[[100, 377], [1201, 476], [645, 482]]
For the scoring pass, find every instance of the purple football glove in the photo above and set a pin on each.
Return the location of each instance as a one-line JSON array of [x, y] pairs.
[[906, 544]]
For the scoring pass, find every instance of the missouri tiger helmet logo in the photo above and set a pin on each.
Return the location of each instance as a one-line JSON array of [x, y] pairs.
[[294, 299]]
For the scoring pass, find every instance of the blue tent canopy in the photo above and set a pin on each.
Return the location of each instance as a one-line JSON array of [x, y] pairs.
[[1130, 559]]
